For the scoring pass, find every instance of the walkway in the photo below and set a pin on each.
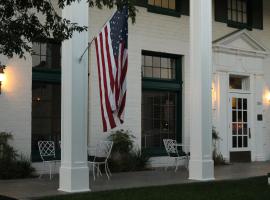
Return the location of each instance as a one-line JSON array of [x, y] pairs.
[[30, 188]]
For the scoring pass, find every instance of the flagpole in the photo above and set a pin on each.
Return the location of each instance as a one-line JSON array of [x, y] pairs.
[[90, 43], [88, 46]]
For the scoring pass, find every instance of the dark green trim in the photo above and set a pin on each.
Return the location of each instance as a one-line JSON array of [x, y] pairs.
[[156, 85], [238, 25], [163, 11], [142, 3], [49, 76], [166, 85], [47, 40]]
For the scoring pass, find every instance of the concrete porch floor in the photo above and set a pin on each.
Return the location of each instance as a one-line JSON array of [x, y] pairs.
[[32, 188]]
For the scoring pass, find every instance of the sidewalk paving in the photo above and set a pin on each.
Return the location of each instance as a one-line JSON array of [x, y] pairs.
[[33, 188]]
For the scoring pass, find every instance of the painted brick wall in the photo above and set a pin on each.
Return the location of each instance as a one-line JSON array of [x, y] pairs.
[[151, 32], [15, 103]]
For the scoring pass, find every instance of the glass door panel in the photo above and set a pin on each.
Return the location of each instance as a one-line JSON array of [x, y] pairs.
[[239, 122]]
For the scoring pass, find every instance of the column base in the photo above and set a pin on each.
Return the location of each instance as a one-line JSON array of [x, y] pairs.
[[201, 170], [74, 179]]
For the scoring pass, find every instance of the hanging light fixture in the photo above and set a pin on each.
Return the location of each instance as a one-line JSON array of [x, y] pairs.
[[2, 75]]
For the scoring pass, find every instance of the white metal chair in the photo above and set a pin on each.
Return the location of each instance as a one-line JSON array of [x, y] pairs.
[[101, 155], [172, 149], [47, 154]]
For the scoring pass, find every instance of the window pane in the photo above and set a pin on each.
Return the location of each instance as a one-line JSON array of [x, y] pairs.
[[244, 116], [156, 72], [239, 103], [245, 104], [234, 129], [151, 2], [147, 72], [156, 61], [165, 3], [240, 141], [158, 117], [245, 130], [233, 103], [164, 63], [235, 83], [239, 117], [43, 49], [158, 67], [245, 141], [158, 3], [234, 142], [164, 73], [237, 10], [46, 55], [46, 114], [36, 48], [172, 4], [234, 116], [148, 61]]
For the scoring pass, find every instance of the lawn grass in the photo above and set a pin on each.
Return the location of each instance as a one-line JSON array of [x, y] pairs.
[[248, 189]]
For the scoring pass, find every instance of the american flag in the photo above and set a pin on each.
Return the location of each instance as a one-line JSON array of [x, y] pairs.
[[112, 59]]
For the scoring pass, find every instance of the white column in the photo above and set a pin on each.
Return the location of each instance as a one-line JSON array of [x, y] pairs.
[[201, 164], [74, 172]]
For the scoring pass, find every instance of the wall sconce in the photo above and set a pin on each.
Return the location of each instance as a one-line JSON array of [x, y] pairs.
[[2, 75], [214, 95], [267, 97]]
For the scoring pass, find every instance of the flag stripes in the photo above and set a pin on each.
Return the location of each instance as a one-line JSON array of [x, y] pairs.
[[112, 63]]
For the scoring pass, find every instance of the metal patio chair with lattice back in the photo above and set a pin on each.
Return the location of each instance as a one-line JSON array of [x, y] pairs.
[[176, 151], [47, 154], [100, 157]]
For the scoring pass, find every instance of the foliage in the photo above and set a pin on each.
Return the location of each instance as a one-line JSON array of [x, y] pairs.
[[11, 165], [20, 23], [124, 156], [217, 157], [247, 189], [7, 153], [122, 141]]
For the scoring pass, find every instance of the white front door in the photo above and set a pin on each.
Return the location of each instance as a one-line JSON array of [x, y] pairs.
[[239, 122]]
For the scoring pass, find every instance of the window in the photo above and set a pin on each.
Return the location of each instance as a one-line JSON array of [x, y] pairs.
[[46, 95], [46, 55], [165, 7], [46, 115], [169, 4], [174, 8], [240, 13], [158, 67], [239, 82], [161, 100]]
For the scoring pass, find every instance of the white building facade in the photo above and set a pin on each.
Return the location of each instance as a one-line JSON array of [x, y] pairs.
[[164, 89]]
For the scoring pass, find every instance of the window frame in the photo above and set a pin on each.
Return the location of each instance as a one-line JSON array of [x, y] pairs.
[[175, 85], [48, 76], [241, 25], [160, 10]]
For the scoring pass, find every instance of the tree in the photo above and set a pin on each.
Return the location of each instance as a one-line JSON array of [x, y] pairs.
[[20, 25]]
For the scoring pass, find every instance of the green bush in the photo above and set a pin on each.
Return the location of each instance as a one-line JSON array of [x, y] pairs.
[[124, 158], [11, 165], [217, 157]]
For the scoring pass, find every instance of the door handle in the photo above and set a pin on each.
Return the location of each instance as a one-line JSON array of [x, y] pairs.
[[249, 133]]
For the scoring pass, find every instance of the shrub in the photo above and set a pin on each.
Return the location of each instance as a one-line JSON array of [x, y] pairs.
[[11, 165], [124, 158], [217, 157]]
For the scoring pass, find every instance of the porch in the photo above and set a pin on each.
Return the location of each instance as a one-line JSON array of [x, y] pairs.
[[29, 188]]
